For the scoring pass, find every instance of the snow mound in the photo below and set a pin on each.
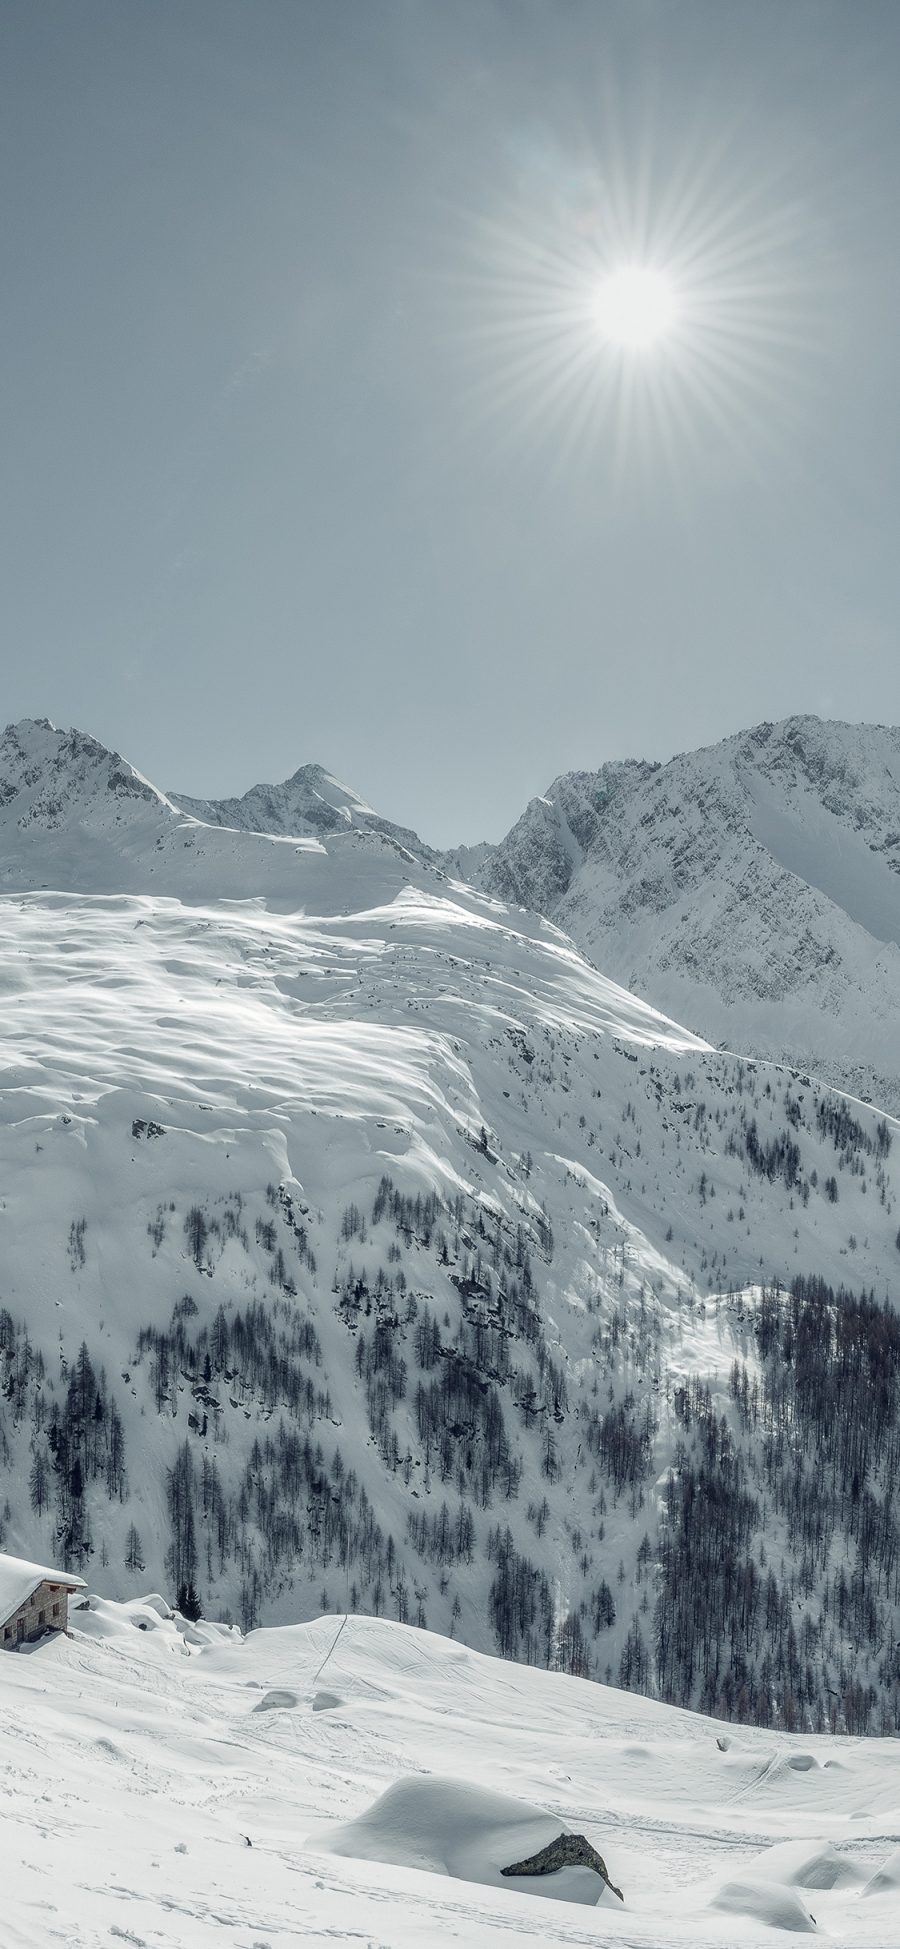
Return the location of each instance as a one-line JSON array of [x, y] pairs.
[[104, 1620], [765, 1901], [449, 1827], [887, 1878], [154, 1602], [808, 1864], [277, 1701]]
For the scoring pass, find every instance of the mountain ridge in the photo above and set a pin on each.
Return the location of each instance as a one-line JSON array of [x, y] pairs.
[[750, 888], [311, 803]]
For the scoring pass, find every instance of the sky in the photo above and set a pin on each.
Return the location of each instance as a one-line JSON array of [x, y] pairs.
[[313, 448]]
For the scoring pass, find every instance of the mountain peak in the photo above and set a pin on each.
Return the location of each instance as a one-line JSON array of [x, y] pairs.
[[48, 775], [311, 803], [750, 888], [78, 817]]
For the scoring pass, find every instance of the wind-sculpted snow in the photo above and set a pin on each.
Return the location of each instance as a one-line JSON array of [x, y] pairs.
[[453, 1827], [145, 1799], [363, 1244]]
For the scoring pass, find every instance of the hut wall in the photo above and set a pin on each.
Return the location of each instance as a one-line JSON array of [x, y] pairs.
[[49, 1606]]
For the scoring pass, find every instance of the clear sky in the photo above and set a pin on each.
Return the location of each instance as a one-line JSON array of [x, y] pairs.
[[312, 447]]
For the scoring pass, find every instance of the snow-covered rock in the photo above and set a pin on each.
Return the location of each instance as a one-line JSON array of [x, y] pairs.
[[311, 802], [750, 889], [460, 1828]]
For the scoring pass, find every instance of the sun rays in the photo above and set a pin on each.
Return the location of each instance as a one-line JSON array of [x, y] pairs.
[[621, 309]]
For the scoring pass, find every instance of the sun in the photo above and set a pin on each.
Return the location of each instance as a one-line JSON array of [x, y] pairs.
[[636, 306], [625, 304]]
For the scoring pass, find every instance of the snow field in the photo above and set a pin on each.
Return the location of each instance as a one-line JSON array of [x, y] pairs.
[[140, 1756]]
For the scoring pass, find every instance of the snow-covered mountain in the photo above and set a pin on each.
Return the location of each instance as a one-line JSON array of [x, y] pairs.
[[752, 889], [363, 1244], [311, 802], [183, 1785], [74, 815]]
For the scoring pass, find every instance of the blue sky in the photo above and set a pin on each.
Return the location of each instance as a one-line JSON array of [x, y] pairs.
[[308, 451]]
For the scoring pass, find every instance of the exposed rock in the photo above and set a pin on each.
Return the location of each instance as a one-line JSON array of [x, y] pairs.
[[751, 890], [567, 1851]]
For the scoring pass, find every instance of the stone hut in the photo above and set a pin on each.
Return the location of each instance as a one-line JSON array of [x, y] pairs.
[[33, 1600]]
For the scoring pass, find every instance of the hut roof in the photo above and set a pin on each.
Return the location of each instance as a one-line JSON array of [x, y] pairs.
[[19, 1581]]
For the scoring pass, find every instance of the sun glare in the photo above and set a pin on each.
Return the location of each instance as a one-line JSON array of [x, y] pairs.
[[628, 303], [636, 306]]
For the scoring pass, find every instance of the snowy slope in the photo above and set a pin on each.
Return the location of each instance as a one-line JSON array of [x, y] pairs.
[[175, 1784], [751, 889], [361, 1241]]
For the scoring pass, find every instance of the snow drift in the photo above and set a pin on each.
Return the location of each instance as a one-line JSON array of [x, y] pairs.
[[453, 1827]]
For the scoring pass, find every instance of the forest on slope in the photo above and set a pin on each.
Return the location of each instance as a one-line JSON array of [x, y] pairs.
[[363, 1246]]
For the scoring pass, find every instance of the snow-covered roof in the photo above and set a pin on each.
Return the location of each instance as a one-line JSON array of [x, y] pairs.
[[19, 1580]]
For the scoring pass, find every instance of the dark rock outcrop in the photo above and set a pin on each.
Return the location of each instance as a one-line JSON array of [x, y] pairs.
[[567, 1851]]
